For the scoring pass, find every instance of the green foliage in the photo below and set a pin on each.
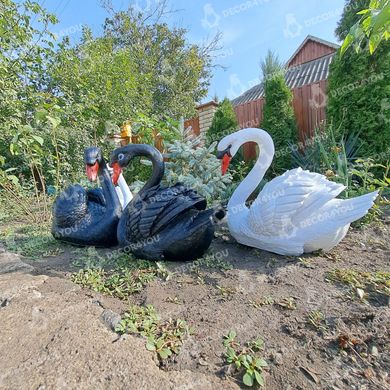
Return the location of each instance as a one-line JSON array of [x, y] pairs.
[[271, 65], [224, 122], [245, 359], [373, 25], [177, 73], [358, 92], [279, 121], [120, 283], [367, 178], [350, 17], [326, 155], [25, 45], [163, 337], [196, 167], [56, 100]]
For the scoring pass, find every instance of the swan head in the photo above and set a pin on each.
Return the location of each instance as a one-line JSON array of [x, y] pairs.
[[229, 145], [120, 158], [93, 160], [227, 148]]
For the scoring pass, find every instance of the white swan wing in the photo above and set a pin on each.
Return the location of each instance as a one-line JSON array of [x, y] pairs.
[[288, 200], [340, 212]]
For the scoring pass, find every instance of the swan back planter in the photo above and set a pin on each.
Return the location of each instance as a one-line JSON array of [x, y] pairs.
[[88, 217], [296, 212], [169, 223]]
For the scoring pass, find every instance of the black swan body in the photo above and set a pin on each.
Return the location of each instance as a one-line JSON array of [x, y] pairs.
[[162, 223], [88, 217]]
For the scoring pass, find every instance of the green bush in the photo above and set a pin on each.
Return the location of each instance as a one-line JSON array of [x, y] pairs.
[[224, 122], [279, 121], [197, 167], [359, 90]]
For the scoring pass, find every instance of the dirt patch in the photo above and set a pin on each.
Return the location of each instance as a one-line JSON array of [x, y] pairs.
[[58, 339]]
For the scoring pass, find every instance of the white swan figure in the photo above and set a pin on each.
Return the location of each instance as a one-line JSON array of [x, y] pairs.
[[296, 212], [122, 190]]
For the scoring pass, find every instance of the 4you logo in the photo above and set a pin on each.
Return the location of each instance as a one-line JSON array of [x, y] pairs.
[[292, 28], [318, 97], [210, 17]]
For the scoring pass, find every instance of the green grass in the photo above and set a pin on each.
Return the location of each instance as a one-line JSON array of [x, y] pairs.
[[89, 258], [368, 282], [31, 240], [317, 320], [163, 337], [120, 283]]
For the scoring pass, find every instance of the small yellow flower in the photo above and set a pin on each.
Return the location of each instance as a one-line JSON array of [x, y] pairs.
[[329, 173], [336, 149]]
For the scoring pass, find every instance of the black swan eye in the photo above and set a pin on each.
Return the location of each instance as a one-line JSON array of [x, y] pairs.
[[121, 156]]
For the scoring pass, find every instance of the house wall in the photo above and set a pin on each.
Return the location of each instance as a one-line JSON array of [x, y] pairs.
[[311, 51]]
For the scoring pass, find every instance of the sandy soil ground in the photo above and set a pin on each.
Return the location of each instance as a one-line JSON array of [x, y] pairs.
[[56, 335]]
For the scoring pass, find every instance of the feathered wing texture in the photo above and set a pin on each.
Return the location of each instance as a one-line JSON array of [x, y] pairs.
[[340, 212], [150, 212], [96, 195], [70, 206], [287, 200]]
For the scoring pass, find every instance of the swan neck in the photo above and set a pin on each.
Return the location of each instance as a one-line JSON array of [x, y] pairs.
[[254, 177], [108, 188], [140, 150]]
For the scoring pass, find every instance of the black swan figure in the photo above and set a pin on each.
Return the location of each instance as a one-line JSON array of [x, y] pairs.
[[88, 217], [168, 223]]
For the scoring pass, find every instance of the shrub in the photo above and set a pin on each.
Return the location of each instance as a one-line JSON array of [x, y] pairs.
[[279, 120], [197, 167], [224, 122], [358, 91]]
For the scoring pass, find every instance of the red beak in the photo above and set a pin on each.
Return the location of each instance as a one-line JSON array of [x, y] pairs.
[[225, 163], [117, 170], [92, 171]]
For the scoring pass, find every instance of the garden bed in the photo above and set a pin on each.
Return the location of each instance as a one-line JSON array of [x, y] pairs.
[[324, 318]]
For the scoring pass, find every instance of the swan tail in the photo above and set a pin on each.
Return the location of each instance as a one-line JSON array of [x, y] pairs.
[[187, 239], [341, 212]]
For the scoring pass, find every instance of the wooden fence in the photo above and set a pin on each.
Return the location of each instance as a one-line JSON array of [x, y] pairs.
[[309, 103], [136, 139], [194, 124]]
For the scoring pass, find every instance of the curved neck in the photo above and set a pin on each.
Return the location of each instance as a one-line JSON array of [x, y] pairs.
[[108, 188], [154, 156], [252, 180]]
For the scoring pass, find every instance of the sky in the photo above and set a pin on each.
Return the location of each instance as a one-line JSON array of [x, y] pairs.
[[248, 29]]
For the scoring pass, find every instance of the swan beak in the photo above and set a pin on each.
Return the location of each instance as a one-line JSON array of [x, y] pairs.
[[92, 171], [225, 163], [117, 170]]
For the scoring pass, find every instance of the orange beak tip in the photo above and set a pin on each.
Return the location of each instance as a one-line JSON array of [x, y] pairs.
[[117, 170], [92, 171], [225, 163]]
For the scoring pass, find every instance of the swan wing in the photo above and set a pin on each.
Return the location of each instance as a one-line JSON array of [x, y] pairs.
[[289, 199], [96, 195], [70, 206], [340, 212], [153, 210]]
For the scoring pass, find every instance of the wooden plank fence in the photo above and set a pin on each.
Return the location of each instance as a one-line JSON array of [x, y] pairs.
[[309, 102]]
